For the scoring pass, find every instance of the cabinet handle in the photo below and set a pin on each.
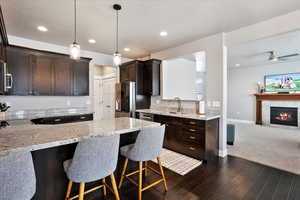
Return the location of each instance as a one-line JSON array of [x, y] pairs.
[[192, 130], [82, 117], [192, 148], [192, 137], [57, 120], [192, 122]]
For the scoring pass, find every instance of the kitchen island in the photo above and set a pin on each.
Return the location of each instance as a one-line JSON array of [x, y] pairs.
[[52, 144]]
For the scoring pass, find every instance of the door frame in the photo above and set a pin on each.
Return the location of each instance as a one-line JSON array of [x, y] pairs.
[[101, 78]]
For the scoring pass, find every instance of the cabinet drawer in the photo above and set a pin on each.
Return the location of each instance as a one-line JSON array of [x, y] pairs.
[[192, 150], [194, 138], [193, 122], [193, 130]]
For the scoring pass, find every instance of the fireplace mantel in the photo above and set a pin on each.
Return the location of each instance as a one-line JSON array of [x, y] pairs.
[[272, 97]]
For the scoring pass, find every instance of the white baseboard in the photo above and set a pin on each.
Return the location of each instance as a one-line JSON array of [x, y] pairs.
[[223, 153], [240, 121]]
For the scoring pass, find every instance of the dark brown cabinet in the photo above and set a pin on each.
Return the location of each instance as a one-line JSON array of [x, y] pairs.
[[151, 77], [81, 78], [21, 69], [62, 72], [133, 71], [194, 138], [3, 38], [146, 75], [46, 74], [42, 73]]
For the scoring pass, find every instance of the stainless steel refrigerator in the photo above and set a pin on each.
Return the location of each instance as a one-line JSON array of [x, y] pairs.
[[125, 99]]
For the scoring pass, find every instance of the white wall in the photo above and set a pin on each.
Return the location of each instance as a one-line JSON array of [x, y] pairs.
[[179, 79], [43, 102], [216, 74], [275, 26], [242, 84]]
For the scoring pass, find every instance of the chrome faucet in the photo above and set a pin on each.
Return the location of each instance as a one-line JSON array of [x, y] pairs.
[[179, 104]]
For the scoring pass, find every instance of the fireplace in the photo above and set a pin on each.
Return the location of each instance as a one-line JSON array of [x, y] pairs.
[[284, 116]]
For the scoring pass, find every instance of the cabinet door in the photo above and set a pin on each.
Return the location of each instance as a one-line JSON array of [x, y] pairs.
[[124, 74], [42, 75], [151, 77], [18, 65], [62, 69], [132, 72], [81, 78]]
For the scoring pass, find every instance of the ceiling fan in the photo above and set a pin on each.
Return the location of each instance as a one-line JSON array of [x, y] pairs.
[[273, 57]]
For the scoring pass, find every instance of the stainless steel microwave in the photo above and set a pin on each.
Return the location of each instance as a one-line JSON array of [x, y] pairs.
[[5, 79]]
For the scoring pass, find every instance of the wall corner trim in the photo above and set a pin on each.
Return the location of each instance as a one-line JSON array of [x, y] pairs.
[[223, 153]]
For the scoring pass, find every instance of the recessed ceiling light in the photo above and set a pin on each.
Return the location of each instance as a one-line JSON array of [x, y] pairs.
[[237, 65], [163, 33], [42, 28], [92, 41], [126, 49]]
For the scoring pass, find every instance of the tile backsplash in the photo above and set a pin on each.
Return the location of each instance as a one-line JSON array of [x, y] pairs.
[[158, 103]]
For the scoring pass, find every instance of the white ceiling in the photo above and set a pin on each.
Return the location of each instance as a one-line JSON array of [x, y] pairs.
[[254, 53], [141, 20]]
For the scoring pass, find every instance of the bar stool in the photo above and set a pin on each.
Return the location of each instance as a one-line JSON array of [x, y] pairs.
[[147, 147], [17, 176], [94, 159]]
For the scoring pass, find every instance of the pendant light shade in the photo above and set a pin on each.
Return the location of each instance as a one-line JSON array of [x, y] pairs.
[[117, 59], [75, 51], [74, 47]]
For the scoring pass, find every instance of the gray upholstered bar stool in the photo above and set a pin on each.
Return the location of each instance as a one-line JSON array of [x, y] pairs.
[[17, 176], [147, 147], [94, 159]]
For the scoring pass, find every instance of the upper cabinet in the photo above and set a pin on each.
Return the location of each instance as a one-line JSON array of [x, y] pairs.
[[3, 38], [21, 69], [42, 73], [80, 78], [151, 76], [146, 75]]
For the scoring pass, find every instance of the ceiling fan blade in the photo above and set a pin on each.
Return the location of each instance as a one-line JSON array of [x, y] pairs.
[[288, 56]]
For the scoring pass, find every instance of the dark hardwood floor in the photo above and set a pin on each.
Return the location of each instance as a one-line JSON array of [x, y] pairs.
[[224, 179]]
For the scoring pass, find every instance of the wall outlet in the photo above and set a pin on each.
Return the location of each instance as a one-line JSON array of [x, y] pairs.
[[157, 101], [88, 102]]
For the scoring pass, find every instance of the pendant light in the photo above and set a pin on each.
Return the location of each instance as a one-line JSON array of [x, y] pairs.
[[117, 56], [74, 47]]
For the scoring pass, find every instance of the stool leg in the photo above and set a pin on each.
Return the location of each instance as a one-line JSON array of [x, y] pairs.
[[114, 185], [104, 187], [81, 191], [146, 170], [140, 179], [123, 172], [69, 189], [162, 173]]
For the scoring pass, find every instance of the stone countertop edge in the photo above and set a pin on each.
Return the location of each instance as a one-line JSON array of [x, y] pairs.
[[5, 150], [206, 117]]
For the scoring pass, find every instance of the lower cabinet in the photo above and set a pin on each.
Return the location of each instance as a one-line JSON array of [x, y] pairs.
[[194, 138]]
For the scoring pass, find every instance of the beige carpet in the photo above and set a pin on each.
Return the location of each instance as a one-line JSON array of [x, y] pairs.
[[272, 146], [177, 162]]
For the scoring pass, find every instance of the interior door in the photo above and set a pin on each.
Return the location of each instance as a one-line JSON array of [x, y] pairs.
[[108, 89], [98, 99]]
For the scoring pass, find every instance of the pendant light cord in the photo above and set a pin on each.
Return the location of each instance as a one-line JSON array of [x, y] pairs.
[[117, 33], [75, 21]]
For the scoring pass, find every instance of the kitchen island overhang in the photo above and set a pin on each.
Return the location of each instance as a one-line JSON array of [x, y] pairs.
[[36, 137]]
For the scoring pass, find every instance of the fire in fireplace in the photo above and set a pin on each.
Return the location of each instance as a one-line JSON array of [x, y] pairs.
[[284, 116]]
